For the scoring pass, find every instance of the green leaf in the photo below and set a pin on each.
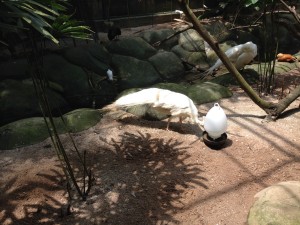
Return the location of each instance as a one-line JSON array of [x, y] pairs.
[[250, 2]]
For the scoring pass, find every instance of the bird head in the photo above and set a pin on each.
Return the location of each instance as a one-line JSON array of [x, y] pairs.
[[250, 47], [279, 55], [109, 74]]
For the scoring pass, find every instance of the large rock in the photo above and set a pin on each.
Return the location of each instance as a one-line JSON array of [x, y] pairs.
[[19, 100], [167, 64], [153, 36], [135, 47], [133, 72], [280, 67], [191, 41], [194, 58], [93, 57], [33, 130], [208, 92], [219, 31], [73, 79], [278, 204], [199, 93], [104, 92], [227, 79], [15, 69]]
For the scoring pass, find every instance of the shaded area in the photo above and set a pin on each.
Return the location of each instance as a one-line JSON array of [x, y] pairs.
[[16, 202], [142, 179], [251, 173]]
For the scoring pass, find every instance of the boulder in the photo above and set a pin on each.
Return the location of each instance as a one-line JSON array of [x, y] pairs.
[[194, 58], [207, 92], [133, 72], [15, 69], [135, 47], [278, 204], [153, 36], [191, 41], [227, 79], [280, 67], [73, 79], [167, 64], [104, 92], [199, 93], [219, 31], [19, 100], [93, 57], [33, 130]]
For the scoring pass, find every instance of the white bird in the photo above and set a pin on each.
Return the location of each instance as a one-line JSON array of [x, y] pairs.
[[239, 55], [110, 74], [171, 104]]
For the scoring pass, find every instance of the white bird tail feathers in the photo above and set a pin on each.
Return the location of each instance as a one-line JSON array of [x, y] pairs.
[[239, 55], [146, 96], [171, 103]]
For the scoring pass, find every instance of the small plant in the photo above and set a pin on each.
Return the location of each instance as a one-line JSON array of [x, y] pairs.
[[46, 19]]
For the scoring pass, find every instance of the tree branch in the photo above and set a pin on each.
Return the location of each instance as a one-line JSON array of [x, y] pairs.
[[272, 109], [292, 10], [231, 68]]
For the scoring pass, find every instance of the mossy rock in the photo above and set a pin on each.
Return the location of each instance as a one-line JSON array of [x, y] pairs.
[[278, 204], [219, 31], [23, 133], [135, 47], [73, 79], [167, 64], [195, 58], [180, 88], [133, 72], [82, 119], [34, 130], [191, 41], [251, 76], [208, 92], [95, 58], [153, 36], [280, 67], [18, 100], [104, 93], [199, 93], [14, 69]]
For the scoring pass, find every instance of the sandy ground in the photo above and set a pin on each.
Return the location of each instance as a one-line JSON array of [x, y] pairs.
[[144, 174]]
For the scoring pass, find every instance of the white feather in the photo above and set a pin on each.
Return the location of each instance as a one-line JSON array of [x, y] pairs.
[[171, 103], [110, 74], [239, 55]]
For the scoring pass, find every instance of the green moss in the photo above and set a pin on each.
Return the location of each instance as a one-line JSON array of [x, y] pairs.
[[208, 92], [33, 130]]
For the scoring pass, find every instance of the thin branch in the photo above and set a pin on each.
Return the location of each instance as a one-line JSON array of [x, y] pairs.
[[272, 109], [292, 10], [158, 43]]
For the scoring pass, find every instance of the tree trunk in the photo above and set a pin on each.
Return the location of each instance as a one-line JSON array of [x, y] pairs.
[[273, 110]]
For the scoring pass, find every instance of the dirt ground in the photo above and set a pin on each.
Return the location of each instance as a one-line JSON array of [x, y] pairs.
[[144, 174]]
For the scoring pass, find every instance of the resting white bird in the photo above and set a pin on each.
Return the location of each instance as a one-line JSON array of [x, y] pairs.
[[239, 55], [170, 103]]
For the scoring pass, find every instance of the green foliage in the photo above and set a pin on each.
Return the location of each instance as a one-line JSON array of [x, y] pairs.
[[65, 26], [45, 16], [233, 7]]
